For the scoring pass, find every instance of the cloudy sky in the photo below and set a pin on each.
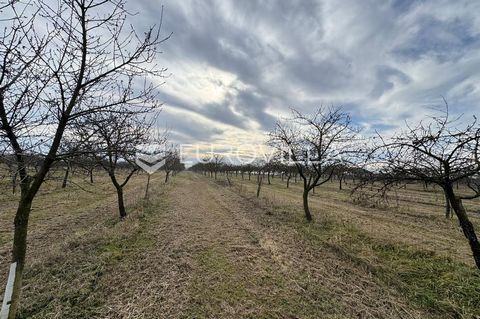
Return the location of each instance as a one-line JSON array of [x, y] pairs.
[[238, 65]]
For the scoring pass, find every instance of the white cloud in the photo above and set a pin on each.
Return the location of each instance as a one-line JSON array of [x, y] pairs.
[[238, 64]]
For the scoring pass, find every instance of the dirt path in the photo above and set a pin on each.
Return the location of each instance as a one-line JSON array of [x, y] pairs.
[[215, 254]]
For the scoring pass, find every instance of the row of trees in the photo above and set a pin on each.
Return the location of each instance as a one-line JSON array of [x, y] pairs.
[[267, 169], [77, 85], [317, 148]]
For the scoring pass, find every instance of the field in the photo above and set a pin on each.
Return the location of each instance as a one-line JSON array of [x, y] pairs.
[[200, 248]]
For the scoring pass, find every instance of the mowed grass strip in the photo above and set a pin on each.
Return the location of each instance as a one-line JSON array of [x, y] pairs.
[[73, 247], [227, 287], [436, 283]]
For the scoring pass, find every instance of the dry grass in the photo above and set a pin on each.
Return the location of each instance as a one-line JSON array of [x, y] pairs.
[[75, 238], [413, 222], [201, 249], [411, 248]]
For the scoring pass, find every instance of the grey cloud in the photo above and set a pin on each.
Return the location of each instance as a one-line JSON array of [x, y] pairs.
[[386, 77], [252, 105], [221, 112], [277, 49], [329, 73], [183, 130], [403, 6], [443, 40]]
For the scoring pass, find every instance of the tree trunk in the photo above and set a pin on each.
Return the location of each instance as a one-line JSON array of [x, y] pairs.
[[14, 182], [91, 176], [340, 181], [148, 186], [19, 250], [467, 226], [259, 185], [65, 177], [167, 174], [121, 204], [268, 175], [448, 210], [288, 180], [308, 215]]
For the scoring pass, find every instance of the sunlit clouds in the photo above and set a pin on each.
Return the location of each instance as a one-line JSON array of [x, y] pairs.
[[236, 66]]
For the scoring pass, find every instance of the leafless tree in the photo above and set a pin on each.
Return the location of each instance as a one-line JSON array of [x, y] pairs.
[[249, 168], [60, 61], [200, 167], [288, 171], [271, 165], [113, 140], [172, 162], [8, 160], [215, 162], [260, 166], [68, 154], [153, 154], [89, 165], [440, 151], [316, 144]]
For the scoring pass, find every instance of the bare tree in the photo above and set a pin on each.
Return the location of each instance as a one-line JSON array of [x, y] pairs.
[[316, 144], [89, 165], [200, 167], [112, 139], [82, 61], [272, 164], [249, 168], [152, 155], [67, 155], [289, 171], [9, 161], [172, 161], [260, 167], [216, 161], [440, 151]]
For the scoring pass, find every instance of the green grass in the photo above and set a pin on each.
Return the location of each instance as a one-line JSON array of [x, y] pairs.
[[214, 283], [69, 283], [434, 283], [438, 284], [221, 287]]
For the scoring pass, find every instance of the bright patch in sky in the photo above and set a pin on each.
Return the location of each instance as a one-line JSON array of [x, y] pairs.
[[238, 65]]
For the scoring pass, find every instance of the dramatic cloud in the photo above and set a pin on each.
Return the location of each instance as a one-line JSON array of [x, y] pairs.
[[237, 65]]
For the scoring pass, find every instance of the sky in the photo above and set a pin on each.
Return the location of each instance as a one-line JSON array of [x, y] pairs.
[[237, 66]]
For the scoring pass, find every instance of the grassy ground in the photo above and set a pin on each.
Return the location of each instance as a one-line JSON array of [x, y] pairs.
[[201, 249], [75, 238], [411, 248]]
